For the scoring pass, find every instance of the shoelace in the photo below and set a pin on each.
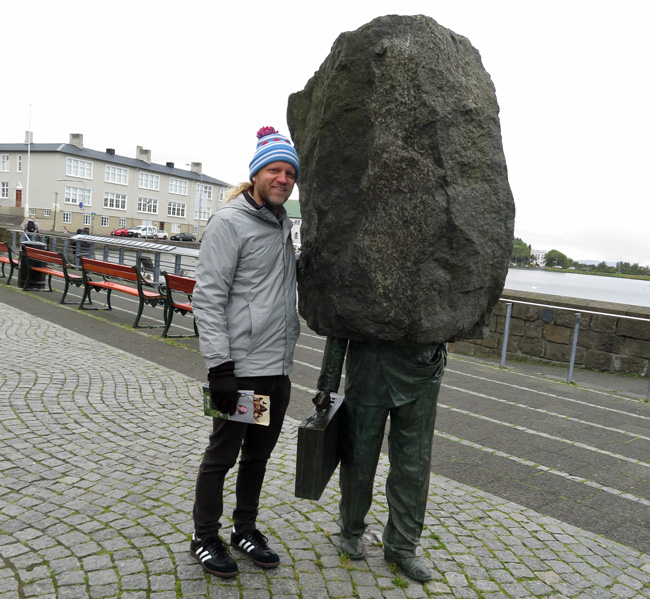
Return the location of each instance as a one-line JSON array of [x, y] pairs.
[[214, 547], [257, 538]]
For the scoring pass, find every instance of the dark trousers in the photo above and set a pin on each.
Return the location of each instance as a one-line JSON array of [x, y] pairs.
[[256, 443]]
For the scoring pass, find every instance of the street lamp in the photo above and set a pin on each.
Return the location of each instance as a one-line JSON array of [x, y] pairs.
[[82, 204], [198, 225], [55, 208]]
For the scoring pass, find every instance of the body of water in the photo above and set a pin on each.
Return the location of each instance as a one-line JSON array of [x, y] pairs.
[[606, 289]]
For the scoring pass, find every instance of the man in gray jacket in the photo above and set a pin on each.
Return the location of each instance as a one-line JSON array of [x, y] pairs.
[[244, 303]]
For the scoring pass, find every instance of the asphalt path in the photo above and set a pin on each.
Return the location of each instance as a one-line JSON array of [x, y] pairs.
[[577, 452]]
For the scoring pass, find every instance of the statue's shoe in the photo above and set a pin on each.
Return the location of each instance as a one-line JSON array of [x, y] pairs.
[[353, 546], [411, 566]]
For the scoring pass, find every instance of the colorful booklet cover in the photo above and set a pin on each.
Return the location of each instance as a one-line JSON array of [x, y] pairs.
[[251, 408]]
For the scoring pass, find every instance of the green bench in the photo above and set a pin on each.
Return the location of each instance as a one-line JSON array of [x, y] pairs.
[[174, 286], [52, 264], [108, 276], [7, 257]]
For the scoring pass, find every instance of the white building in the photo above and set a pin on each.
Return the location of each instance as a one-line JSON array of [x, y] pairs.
[[539, 256], [72, 186]]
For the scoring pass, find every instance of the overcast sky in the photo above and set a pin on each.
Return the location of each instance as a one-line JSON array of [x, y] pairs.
[[193, 81]]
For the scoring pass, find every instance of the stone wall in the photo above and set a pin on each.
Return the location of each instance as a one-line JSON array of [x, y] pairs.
[[607, 341]]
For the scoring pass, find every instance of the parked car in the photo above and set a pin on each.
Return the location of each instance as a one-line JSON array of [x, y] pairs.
[[183, 237], [123, 232], [143, 231], [162, 234]]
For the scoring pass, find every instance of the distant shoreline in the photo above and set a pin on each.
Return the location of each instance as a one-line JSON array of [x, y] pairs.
[[614, 275]]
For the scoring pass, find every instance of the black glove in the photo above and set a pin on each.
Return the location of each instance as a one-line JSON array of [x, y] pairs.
[[223, 387]]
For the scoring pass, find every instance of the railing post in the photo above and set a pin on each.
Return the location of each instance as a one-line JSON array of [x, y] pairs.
[[156, 267], [574, 345], [177, 264], [506, 332]]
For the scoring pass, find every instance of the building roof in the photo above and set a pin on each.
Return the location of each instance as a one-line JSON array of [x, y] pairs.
[[111, 158]]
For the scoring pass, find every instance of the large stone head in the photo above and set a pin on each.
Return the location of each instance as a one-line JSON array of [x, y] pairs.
[[407, 212]]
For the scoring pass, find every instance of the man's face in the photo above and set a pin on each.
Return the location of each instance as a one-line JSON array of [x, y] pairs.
[[274, 183]]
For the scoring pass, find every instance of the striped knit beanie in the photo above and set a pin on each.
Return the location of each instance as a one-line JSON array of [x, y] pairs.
[[273, 147]]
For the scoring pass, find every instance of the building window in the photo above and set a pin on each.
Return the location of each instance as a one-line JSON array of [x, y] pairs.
[[148, 205], [205, 212], [207, 191], [176, 209], [19, 163], [87, 220], [47, 213], [178, 186], [121, 223], [104, 221], [149, 181], [4, 190], [176, 228], [78, 168], [4, 163], [74, 195], [67, 218], [116, 174], [117, 201]]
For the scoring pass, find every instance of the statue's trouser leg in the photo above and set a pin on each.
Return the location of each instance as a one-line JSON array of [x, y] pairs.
[[407, 487], [364, 434]]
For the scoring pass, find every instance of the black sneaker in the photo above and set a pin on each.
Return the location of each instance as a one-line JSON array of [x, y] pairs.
[[213, 556], [253, 544]]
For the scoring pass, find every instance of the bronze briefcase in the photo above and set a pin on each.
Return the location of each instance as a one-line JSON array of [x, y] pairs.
[[319, 449]]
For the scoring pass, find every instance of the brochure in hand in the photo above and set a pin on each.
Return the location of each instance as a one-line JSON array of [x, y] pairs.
[[251, 408]]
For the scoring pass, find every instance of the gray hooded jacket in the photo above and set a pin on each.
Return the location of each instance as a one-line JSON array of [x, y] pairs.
[[244, 301]]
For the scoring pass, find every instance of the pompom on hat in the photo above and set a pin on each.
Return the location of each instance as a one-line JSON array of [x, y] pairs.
[[273, 147]]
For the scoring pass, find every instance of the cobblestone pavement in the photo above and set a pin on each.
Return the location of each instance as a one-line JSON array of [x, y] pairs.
[[99, 451]]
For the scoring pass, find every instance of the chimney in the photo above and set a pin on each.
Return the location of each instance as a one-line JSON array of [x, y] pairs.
[[77, 139], [29, 137], [169, 164], [110, 151], [197, 167], [142, 154]]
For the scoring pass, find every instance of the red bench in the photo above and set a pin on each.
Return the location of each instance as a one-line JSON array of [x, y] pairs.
[[175, 284], [9, 260], [39, 260], [121, 278]]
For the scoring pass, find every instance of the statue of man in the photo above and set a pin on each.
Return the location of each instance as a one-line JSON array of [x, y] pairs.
[[400, 381]]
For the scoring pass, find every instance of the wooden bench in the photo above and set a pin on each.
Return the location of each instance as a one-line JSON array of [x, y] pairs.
[[175, 284], [121, 278], [39, 260], [9, 260]]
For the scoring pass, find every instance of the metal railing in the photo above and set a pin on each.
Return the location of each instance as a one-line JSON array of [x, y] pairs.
[[576, 329], [150, 256]]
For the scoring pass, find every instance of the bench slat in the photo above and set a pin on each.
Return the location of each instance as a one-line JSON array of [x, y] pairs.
[[177, 284], [123, 272], [36, 256], [9, 260]]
